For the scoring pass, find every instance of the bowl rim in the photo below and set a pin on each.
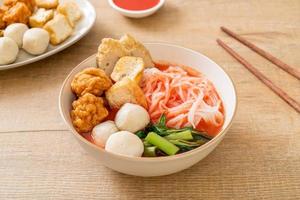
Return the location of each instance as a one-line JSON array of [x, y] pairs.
[[136, 12], [150, 159]]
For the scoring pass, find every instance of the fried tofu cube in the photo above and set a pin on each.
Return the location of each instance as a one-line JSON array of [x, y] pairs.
[[109, 52], [40, 17], [48, 4], [59, 29], [19, 13], [125, 91], [127, 66], [137, 49], [71, 10], [1, 33]]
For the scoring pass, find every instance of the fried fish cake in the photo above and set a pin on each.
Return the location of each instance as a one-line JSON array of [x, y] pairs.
[[128, 66], [125, 91], [40, 17], [71, 10], [48, 4], [3, 9], [109, 52], [87, 112], [136, 49], [90, 80], [58, 28], [29, 3], [19, 13]]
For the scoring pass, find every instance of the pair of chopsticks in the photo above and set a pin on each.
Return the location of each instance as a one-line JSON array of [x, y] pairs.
[[292, 71]]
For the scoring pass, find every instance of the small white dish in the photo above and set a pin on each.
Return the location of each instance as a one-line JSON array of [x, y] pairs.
[[137, 13], [158, 166], [82, 28]]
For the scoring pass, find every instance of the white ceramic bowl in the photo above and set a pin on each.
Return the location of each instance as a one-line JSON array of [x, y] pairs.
[[161, 165], [136, 13]]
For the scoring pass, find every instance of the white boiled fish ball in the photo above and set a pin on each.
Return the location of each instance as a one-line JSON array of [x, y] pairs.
[[102, 131], [125, 143], [36, 41], [16, 31], [132, 117], [8, 50]]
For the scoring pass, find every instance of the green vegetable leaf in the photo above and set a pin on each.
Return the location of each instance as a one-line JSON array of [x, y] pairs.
[[200, 136], [162, 121], [141, 134]]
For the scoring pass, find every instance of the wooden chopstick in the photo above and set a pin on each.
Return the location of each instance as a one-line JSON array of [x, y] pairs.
[[293, 71], [293, 103]]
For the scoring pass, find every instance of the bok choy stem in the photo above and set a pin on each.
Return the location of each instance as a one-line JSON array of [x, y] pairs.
[[161, 143], [183, 135], [150, 151]]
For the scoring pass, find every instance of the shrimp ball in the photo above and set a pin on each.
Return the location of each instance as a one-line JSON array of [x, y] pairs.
[[125, 143], [36, 41], [16, 31], [132, 117], [8, 50], [102, 131]]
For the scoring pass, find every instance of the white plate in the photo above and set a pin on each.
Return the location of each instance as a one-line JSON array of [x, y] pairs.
[[82, 28]]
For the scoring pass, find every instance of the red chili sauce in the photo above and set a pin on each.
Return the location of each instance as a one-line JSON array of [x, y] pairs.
[[136, 4]]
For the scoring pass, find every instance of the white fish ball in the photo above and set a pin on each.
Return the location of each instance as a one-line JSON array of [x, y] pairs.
[[102, 131], [36, 41], [125, 143], [132, 117], [16, 31], [8, 50]]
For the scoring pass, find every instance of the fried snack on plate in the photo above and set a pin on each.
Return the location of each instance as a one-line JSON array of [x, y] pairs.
[[137, 49], [87, 112], [1, 33], [90, 80], [40, 17], [71, 10], [3, 9], [59, 29], [125, 91], [29, 3], [19, 13], [109, 52], [48, 4], [127, 66]]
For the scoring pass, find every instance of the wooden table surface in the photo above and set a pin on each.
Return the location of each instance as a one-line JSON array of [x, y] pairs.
[[258, 159]]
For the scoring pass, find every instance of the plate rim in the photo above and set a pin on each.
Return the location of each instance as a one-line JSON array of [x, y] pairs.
[[76, 38]]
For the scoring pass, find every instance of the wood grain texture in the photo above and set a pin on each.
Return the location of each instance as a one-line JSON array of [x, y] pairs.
[[258, 159]]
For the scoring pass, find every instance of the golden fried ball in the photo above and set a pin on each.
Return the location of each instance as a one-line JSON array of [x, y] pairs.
[[87, 112], [90, 80]]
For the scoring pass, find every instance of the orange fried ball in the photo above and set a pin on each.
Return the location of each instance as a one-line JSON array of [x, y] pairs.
[[88, 111], [90, 80]]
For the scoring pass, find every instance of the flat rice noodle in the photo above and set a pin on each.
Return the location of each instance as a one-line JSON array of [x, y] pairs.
[[185, 96]]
